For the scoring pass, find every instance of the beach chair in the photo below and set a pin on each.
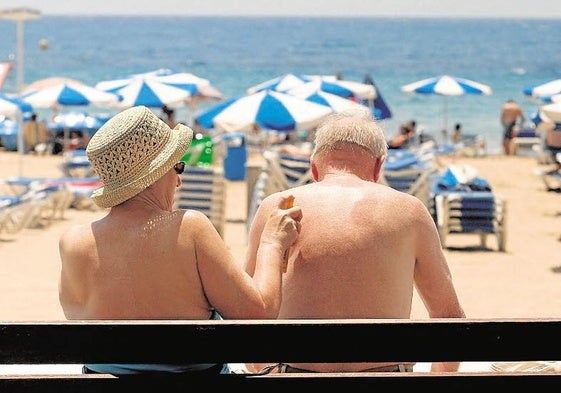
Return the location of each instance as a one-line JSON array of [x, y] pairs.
[[204, 189], [261, 188], [552, 177], [15, 213], [51, 198], [526, 139], [21, 206], [82, 190], [286, 171], [280, 171], [467, 205], [75, 163], [409, 172]]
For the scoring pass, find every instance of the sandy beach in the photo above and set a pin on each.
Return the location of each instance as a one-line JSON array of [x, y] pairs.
[[524, 281]]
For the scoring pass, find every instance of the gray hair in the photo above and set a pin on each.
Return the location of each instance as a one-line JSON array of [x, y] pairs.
[[355, 127]]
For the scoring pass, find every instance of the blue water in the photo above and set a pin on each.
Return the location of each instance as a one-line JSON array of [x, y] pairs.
[[235, 53]]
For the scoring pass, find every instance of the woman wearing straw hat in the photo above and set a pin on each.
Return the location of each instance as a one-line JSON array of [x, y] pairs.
[[144, 260]]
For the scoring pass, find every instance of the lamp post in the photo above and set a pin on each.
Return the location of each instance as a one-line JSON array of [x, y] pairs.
[[19, 15]]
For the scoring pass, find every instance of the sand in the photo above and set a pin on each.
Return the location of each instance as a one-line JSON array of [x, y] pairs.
[[523, 282]]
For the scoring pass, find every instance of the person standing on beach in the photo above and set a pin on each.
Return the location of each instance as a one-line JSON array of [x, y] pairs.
[[457, 134], [35, 135], [145, 260], [511, 118], [363, 246]]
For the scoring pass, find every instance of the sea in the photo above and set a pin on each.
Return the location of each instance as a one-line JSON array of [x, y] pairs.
[[235, 53]]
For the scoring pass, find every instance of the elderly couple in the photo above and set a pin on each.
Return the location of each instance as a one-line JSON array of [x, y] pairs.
[[356, 249]]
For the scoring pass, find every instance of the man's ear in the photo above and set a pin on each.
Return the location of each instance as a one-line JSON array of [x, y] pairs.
[[378, 165], [314, 170]]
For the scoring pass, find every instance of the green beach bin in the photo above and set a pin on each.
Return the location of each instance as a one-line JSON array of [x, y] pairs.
[[200, 152]]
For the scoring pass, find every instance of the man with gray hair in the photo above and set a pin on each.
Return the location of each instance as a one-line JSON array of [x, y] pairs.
[[363, 246]]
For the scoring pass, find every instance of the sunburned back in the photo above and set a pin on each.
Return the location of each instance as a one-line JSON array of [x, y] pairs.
[[133, 268], [355, 255]]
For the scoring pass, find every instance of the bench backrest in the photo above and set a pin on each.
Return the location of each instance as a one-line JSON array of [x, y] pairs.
[[239, 341], [273, 341]]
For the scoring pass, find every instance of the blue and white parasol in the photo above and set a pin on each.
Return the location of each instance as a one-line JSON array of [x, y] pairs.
[[446, 85], [65, 94], [267, 110]]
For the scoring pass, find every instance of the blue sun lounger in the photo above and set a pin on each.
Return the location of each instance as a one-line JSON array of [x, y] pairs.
[[408, 171], [203, 189], [468, 207], [76, 164]]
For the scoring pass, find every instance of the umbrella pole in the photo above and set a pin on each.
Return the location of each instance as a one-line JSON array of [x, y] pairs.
[[65, 139], [21, 141], [445, 127]]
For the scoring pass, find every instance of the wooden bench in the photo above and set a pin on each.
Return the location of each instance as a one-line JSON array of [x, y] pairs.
[[78, 342]]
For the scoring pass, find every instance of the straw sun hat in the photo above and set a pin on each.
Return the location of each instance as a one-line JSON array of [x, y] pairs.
[[132, 151]]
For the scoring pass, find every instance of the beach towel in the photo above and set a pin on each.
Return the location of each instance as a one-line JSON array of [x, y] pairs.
[[462, 178]]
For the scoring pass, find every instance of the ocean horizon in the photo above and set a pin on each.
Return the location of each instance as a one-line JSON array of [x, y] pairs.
[[235, 53]]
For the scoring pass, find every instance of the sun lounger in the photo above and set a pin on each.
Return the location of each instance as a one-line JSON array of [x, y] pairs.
[[408, 171], [280, 172], [261, 188], [467, 205], [76, 164], [28, 209], [203, 189], [526, 139], [15, 213], [552, 178], [286, 171], [51, 197], [82, 189]]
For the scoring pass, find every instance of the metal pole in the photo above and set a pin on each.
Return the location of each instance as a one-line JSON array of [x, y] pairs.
[[19, 55], [21, 143], [20, 15]]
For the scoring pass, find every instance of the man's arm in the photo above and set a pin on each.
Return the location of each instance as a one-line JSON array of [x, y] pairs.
[[433, 279]]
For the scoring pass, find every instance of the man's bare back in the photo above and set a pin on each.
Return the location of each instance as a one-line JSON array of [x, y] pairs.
[[363, 246], [511, 112]]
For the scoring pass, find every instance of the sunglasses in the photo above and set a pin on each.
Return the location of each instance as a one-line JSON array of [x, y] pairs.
[[179, 167]]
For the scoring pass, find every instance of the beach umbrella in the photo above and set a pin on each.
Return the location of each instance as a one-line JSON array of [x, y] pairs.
[[547, 99], [11, 106], [268, 110], [78, 121], [341, 88], [69, 94], [200, 88], [542, 92], [150, 93], [380, 109], [15, 108], [281, 83], [552, 112], [336, 103], [41, 84], [308, 84], [446, 85], [197, 87]]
